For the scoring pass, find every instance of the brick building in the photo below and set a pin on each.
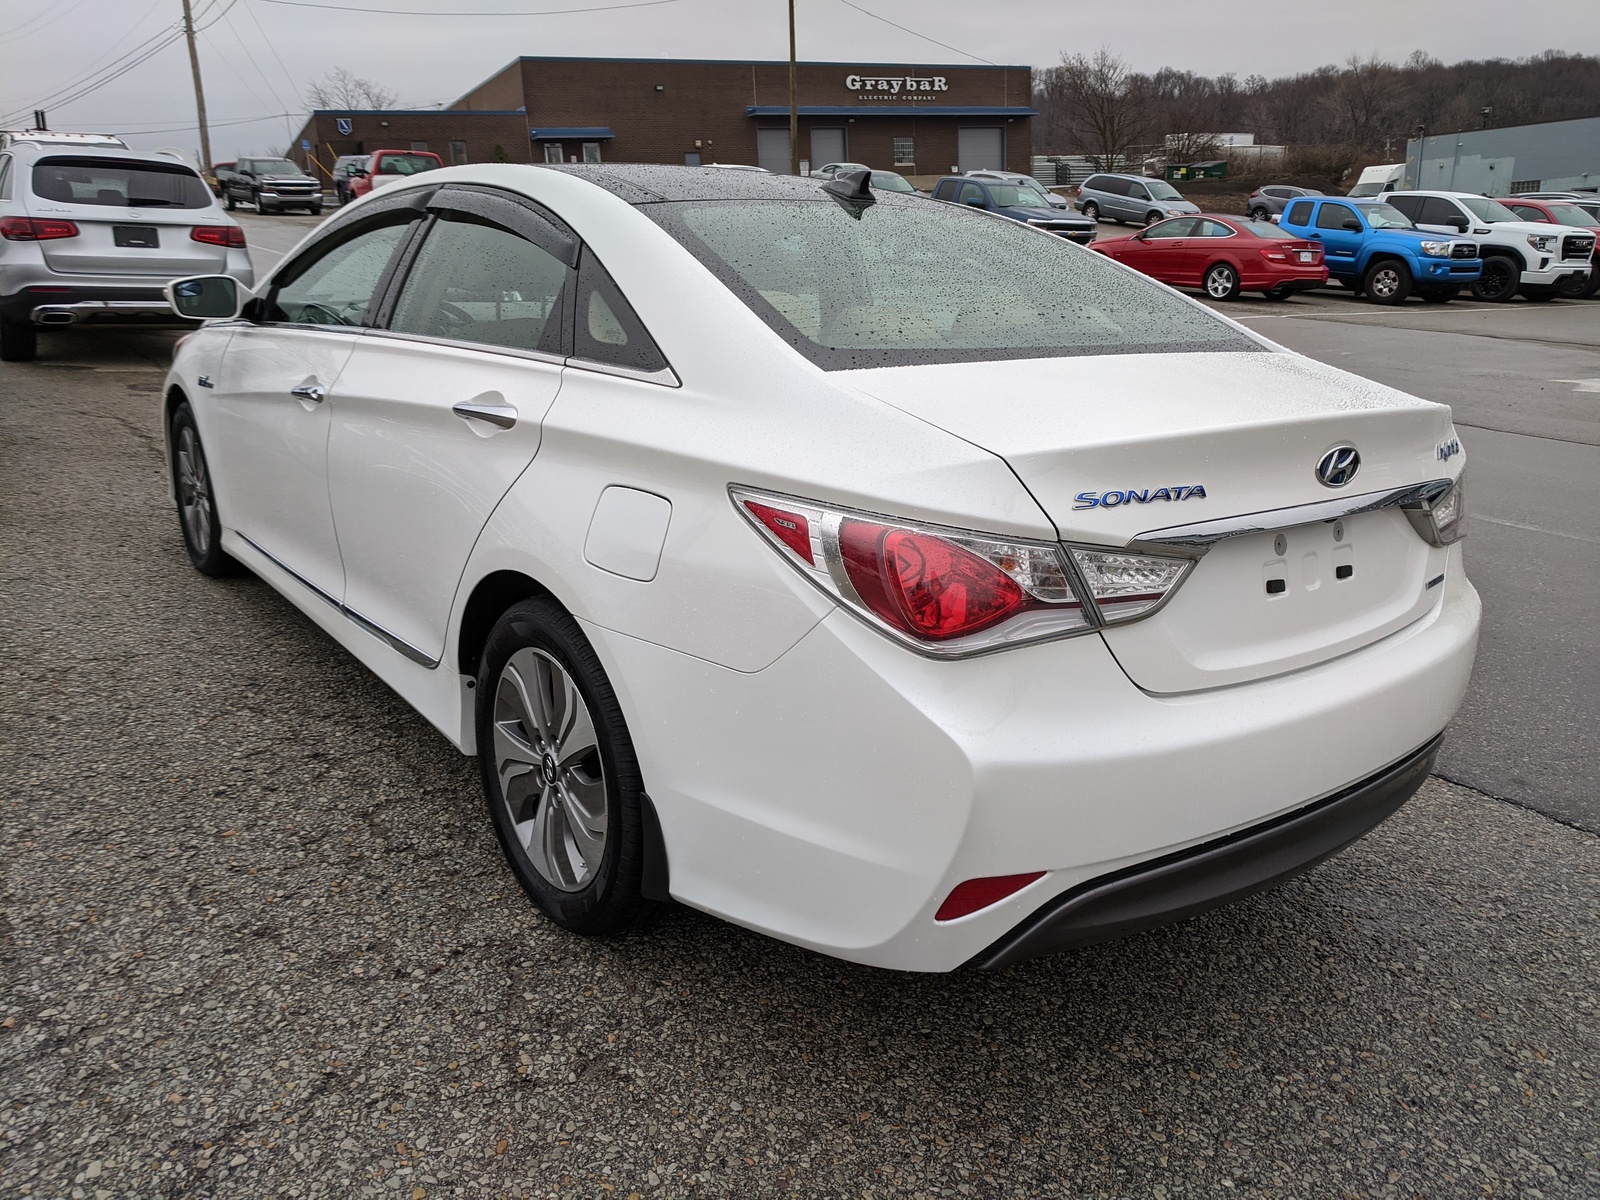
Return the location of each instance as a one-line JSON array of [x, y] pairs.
[[917, 119]]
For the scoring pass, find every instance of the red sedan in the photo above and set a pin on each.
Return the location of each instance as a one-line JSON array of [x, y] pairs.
[[1221, 255], [1563, 212]]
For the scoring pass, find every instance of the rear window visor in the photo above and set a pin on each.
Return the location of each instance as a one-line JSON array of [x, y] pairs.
[[914, 282], [118, 183]]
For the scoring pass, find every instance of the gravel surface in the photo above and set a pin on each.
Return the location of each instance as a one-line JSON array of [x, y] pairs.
[[258, 941]]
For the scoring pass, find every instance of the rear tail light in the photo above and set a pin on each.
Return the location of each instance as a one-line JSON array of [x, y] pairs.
[[1441, 518], [230, 236], [35, 229], [953, 592], [1268, 252], [945, 591], [1126, 586], [974, 894]]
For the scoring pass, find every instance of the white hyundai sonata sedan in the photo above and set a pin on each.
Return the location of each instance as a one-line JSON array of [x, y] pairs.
[[897, 580]]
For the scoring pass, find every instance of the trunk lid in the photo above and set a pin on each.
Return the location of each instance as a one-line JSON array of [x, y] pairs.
[[1118, 446]]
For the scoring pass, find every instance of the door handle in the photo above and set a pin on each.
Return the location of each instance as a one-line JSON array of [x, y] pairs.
[[502, 416], [308, 391]]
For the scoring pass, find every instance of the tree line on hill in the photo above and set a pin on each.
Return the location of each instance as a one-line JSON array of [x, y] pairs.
[[1097, 105]]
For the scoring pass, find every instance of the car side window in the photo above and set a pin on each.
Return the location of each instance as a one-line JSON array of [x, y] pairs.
[[1526, 211], [334, 283], [1299, 212], [1436, 210], [5, 177], [607, 330], [474, 281], [1137, 190], [1410, 205], [1212, 229], [1176, 228], [945, 191], [971, 192], [1333, 216]]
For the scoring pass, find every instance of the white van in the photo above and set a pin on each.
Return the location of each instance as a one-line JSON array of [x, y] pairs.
[[1375, 181]]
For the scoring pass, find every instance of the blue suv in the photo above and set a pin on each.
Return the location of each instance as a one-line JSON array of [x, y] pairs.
[[1018, 203], [1372, 248]]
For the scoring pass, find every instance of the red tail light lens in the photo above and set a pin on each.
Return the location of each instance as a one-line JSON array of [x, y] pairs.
[[944, 591], [230, 236], [974, 894], [924, 585], [34, 229], [1274, 255]]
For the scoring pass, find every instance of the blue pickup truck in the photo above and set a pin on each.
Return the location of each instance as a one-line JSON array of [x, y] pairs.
[[1373, 249]]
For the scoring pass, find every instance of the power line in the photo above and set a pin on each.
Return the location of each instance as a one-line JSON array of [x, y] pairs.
[[902, 28], [411, 12], [53, 17], [262, 29]]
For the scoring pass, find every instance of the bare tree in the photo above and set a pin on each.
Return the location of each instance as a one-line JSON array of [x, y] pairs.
[[340, 88], [1105, 103], [1364, 98]]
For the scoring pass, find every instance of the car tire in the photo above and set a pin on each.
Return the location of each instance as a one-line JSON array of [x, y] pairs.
[[1387, 281], [1260, 214], [196, 497], [1092, 211], [1220, 282], [547, 793], [1439, 295], [1499, 280], [229, 202], [315, 210], [1150, 218], [19, 340]]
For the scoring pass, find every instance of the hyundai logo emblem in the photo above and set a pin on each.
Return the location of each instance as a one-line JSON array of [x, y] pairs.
[[1338, 466]]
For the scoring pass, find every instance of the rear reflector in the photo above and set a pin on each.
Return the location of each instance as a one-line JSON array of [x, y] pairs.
[[790, 528], [219, 235], [34, 229], [974, 894]]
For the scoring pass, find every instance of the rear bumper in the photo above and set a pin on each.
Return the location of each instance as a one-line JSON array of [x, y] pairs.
[[1192, 881], [72, 304]]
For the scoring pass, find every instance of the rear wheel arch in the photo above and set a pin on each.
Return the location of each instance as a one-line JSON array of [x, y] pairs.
[[491, 597]]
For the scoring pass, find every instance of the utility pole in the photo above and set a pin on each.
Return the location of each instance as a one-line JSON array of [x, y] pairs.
[[794, 113], [199, 92]]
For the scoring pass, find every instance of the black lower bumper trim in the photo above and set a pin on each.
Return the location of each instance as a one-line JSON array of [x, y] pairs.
[[1191, 881]]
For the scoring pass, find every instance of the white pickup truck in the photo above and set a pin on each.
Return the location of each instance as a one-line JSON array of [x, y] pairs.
[[1538, 259]]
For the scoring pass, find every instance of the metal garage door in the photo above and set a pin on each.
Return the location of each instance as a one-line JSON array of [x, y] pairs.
[[827, 146], [772, 150], [981, 149]]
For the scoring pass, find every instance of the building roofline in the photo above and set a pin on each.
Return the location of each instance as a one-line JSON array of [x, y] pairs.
[[888, 110], [1502, 128], [415, 112], [768, 62]]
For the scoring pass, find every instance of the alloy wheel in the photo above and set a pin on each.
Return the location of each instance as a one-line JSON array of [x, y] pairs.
[[1384, 283], [1219, 283], [194, 490], [1498, 280], [547, 756]]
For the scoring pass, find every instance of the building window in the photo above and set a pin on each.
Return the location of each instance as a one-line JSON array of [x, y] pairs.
[[905, 152], [419, 145], [692, 159], [591, 152], [458, 153], [553, 152], [1519, 186]]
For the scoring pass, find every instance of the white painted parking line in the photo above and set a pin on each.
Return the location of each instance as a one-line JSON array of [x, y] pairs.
[[1576, 537]]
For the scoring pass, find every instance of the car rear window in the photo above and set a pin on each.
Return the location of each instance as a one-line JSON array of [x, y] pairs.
[[406, 164], [118, 183], [907, 283]]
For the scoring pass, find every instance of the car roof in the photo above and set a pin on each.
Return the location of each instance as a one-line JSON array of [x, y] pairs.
[[38, 150], [648, 183]]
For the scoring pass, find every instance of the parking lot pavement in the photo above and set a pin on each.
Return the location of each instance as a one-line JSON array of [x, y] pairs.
[[259, 941]]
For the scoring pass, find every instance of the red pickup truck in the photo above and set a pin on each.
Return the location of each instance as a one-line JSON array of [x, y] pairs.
[[389, 166]]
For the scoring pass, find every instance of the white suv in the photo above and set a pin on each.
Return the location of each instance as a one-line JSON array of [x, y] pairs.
[[1538, 258], [93, 234]]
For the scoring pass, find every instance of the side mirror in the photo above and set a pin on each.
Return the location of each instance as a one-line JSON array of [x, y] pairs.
[[974, 202], [1350, 223], [1458, 223], [203, 296]]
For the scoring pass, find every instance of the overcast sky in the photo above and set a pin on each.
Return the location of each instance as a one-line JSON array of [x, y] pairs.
[[258, 55]]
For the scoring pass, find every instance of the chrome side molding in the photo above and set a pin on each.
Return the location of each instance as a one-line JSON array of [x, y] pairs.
[[1194, 540]]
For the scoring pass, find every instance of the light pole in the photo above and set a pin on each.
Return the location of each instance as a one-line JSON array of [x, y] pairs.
[[794, 112], [199, 92]]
